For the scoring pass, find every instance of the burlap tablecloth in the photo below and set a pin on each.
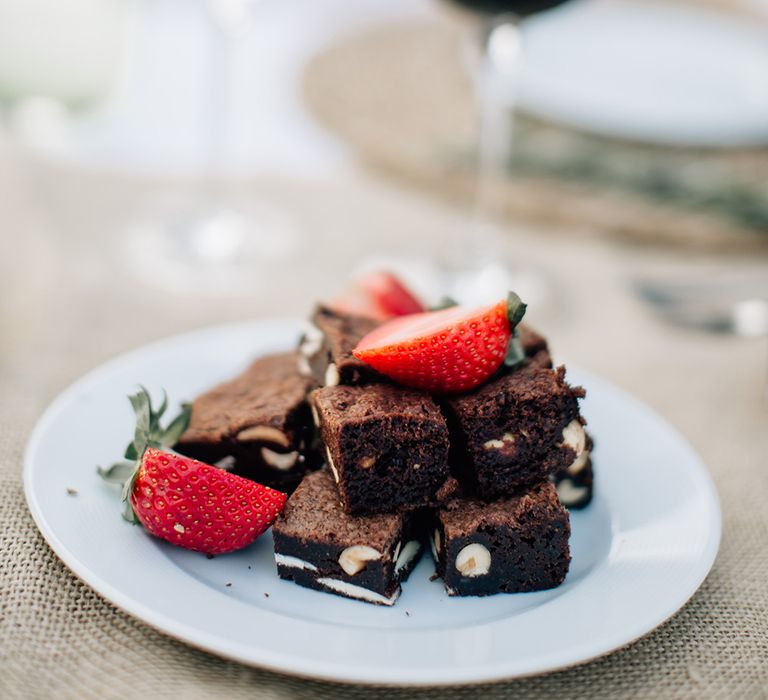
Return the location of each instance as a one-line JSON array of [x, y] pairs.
[[68, 302]]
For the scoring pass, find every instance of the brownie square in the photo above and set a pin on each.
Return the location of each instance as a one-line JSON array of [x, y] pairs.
[[386, 446], [516, 429], [258, 424], [534, 346], [325, 349], [575, 483], [319, 546], [512, 545]]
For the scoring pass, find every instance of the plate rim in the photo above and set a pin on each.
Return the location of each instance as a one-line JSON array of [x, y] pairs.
[[313, 669]]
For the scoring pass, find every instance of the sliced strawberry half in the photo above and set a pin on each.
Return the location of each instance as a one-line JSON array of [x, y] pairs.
[[188, 503], [201, 507], [447, 351], [378, 295]]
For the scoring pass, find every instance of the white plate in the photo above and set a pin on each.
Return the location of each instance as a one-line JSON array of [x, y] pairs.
[[657, 72], [639, 551]]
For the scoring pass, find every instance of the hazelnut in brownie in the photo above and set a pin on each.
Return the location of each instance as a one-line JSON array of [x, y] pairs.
[[514, 430], [319, 546], [325, 349], [513, 545], [259, 422], [575, 483], [386, 446]]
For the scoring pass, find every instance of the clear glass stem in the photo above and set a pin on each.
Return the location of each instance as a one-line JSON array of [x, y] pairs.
[[495, 86], [481, 265], [495, 75]]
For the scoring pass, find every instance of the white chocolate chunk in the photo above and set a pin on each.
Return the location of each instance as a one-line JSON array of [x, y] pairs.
[[315, 415], [434, 544], [263, 433], [505, 440], [331, 464], [293, 562], [279, 460], [473, 560], [332, 377], [304, 369], [575, 437], [570, 494], [311, 342], [578, 464], [354, 559], [410, 550], [352, 591]]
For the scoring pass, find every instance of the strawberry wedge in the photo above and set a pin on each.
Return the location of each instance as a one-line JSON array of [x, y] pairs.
[[378, 295], [447, 351]]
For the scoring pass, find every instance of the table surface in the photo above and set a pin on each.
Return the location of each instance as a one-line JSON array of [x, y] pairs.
[[69, 300]]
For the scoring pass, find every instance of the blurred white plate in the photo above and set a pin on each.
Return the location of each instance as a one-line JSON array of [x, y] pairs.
[[649, 71], [639, 551]]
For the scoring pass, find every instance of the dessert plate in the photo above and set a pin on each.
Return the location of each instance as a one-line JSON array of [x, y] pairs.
[[639, 551]]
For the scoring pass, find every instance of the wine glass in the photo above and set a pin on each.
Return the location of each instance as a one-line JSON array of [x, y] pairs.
[[212, 240], [480, 271]]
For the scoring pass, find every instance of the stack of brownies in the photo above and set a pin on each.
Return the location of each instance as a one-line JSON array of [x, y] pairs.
[[484, 477]]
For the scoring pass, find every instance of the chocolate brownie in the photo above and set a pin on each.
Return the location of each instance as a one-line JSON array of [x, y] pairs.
[[512, 545], [386, 446], [534, 346], [259, 424], [514, 430], [575, 483], [326, 348], [319, 546]]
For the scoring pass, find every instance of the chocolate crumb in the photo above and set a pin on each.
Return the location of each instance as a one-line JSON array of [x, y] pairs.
[[71, 492], [266, 595], [407, 613], [434, 576], [249, 567], [209, 556], [229, 584]]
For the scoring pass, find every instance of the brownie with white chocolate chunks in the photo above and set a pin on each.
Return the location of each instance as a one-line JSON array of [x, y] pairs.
[[319, 546], [387, 446], [513, 545], [518, 428], [258, 424], [325, 349]]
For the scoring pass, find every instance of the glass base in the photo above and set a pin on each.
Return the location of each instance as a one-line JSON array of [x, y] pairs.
[[215, 250]]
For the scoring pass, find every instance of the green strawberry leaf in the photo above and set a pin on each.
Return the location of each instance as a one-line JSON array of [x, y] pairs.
[[142, 407], [445, 303], [515, 309], [515, 354], [118, 473], [177, 426]]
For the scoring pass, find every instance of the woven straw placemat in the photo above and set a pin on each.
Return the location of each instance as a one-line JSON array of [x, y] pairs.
[[67, 303]]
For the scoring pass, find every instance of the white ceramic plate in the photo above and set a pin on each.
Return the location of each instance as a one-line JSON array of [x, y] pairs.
[[639, 551]]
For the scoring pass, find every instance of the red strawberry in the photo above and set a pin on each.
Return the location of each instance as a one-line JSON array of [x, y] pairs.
[[200, 507], [181, 500], [445, 351], [378, 295]]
